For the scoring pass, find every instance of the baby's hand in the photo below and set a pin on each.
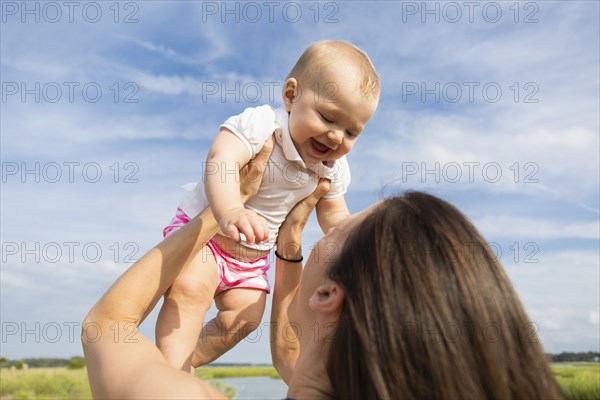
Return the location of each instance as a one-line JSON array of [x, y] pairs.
[[241, 220]]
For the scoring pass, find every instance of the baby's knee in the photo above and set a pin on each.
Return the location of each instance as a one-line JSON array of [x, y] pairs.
[[185, 290], [244, 320]]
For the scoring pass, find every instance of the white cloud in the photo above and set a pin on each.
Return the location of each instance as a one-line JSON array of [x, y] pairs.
[[558, 288], [164, 51], [552, 319], [554, 141], [209, 88], [510, 156], [594, 317], [507, 226]]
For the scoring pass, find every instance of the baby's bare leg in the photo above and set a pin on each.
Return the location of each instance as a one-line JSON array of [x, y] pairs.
[[182, 313], [240, 312]]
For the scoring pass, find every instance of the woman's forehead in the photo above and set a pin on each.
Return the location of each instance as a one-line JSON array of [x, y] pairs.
[[328, 248], [349, 223]]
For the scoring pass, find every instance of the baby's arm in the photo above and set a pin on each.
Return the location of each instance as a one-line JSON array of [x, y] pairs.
[[222, 186], [331, 211]]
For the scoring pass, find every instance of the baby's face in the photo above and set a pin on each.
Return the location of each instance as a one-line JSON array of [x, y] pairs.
[[327, 116]]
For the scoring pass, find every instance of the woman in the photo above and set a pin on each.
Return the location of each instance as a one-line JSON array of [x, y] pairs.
[[374, 314], [403, 301]]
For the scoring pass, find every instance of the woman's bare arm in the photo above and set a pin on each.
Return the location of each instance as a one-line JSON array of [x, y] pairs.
[[284, 344], [122, 363]]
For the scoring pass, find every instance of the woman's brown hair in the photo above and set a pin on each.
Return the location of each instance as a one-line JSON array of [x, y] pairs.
[[429, 312]]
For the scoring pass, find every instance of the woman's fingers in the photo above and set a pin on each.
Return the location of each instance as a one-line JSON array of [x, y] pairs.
[[309, 203], [300, 213], [322, 188]]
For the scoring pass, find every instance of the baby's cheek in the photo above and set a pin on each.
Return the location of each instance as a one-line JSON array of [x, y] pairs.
[[346, 148]]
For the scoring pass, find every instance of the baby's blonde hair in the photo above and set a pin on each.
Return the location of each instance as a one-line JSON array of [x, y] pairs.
[[326, 52]]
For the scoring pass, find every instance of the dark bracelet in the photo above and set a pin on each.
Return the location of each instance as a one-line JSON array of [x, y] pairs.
[[288, 259]]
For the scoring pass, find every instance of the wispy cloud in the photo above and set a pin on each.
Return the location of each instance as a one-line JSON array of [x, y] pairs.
[[506, 226], [165, 51]]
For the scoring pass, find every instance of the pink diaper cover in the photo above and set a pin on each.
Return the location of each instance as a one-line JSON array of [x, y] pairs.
[[233, 273]]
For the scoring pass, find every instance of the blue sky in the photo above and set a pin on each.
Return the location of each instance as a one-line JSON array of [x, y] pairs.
[[492, 106]]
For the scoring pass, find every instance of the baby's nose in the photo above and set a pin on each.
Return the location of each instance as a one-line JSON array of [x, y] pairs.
[[336, 136]]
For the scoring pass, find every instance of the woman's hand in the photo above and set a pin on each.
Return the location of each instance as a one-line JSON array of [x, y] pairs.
[[289, 238], [252, 173]]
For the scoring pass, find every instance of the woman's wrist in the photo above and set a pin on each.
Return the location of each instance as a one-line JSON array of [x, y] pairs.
[[289, 247], [296, 260]]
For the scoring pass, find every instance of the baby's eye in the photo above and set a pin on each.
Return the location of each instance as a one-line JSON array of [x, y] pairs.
[[328, 120], [352, 134]]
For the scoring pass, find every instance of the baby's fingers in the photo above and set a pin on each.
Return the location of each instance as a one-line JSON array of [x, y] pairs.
[[232, 231], [261, 229], [267, 231], [245, 227]]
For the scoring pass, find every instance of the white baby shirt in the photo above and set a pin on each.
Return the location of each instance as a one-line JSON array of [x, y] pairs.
[[287, 179]]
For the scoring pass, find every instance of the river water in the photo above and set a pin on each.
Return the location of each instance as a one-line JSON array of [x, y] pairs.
[[262, 387]]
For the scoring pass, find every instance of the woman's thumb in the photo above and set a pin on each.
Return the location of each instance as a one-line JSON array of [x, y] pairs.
[[322, 188]]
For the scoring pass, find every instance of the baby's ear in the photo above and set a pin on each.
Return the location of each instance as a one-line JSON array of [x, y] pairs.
[[291, 93]]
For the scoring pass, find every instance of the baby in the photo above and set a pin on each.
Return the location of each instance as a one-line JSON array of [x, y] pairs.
[[328, 97]]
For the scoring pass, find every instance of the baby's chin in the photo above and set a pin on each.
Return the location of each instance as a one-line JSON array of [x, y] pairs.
[[310, 160]]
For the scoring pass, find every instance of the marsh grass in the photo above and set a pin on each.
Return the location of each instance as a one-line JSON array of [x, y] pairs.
[[236, 372], [72, 384], [44, 383], [578, 381]]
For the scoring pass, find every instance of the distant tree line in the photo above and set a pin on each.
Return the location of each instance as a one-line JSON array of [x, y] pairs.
[[589, 356], [79, 362], [73, 362]]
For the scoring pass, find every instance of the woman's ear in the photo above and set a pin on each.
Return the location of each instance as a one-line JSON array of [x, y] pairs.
[[327, 298], [291, 93]]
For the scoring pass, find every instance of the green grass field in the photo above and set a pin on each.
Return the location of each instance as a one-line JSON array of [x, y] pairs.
[[62, 383], [44, 383], [579, 381], [236, 372]]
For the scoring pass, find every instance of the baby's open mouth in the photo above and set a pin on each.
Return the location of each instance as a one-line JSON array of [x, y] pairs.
[[319, 148]]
